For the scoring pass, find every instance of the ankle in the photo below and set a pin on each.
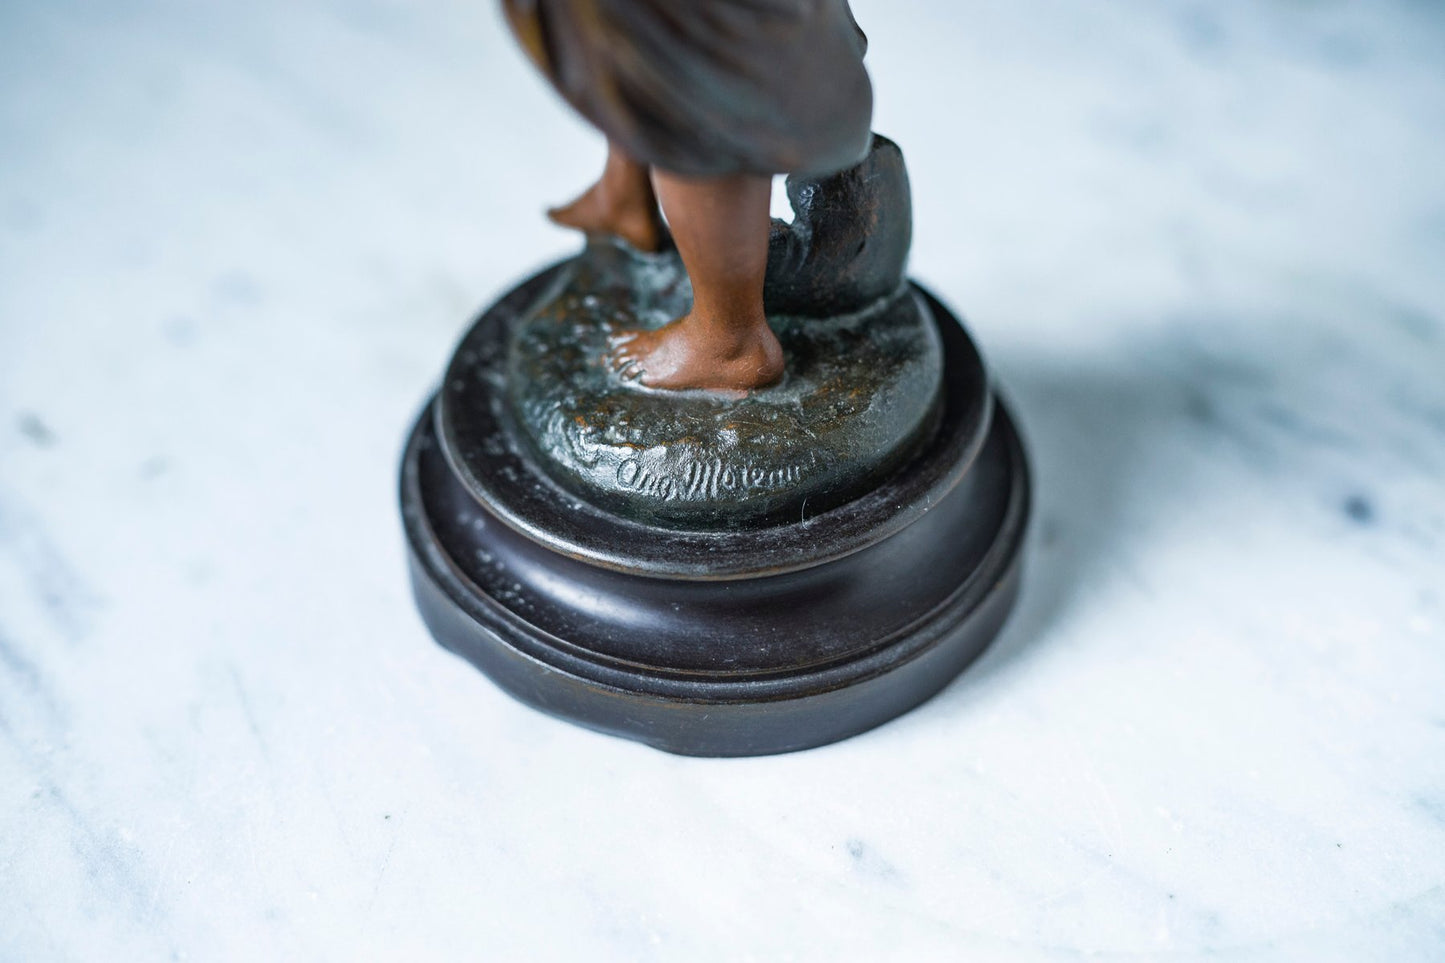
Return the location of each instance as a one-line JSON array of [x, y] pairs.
[[621, 198], [738, 322], [727, 338]]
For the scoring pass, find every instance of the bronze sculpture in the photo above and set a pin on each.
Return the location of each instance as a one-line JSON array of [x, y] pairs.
[[702, 103], [725, 485]]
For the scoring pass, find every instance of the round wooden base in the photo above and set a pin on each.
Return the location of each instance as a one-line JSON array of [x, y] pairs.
[[742, 662]]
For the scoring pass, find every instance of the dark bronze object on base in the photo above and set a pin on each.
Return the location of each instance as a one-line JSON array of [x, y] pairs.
[[679, 594], [737, 488]]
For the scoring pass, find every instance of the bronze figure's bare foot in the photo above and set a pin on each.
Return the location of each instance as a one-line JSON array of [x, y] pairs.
[[720, 226], [621, 204], [593, 213], [695, 352]]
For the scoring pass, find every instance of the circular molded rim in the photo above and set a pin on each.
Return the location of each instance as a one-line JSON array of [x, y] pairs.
[[497, 468], [720, 717]]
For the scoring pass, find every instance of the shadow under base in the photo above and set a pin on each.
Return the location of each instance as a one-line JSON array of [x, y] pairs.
[[760, 640]]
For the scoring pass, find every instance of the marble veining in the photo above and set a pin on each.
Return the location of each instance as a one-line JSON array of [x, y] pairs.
[[1201, 244]]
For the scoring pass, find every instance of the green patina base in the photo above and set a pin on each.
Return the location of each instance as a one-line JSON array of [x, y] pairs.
[[861, 394]]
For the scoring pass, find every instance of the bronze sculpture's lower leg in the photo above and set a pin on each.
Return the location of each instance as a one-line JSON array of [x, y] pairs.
[[720, 226], [621, 203]]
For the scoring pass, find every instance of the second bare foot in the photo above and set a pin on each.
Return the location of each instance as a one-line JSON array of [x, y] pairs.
[[634, 220]]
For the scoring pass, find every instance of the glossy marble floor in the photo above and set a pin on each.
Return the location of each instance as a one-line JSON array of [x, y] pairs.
[[1203, 245]]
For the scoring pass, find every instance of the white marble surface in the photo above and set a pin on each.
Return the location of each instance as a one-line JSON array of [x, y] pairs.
[[1204, 246]]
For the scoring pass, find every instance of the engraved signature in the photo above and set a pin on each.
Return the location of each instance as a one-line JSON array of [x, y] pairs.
[[705, 479]]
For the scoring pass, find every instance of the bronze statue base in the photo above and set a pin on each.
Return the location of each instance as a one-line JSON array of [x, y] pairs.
[[711, 640]]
